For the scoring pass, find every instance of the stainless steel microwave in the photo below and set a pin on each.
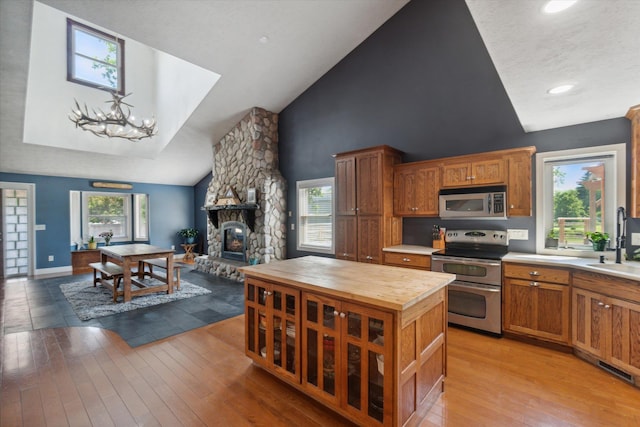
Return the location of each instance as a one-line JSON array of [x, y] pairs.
[[473, 204]]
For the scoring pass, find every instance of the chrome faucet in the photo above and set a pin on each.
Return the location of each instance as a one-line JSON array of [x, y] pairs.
[[620, 231]]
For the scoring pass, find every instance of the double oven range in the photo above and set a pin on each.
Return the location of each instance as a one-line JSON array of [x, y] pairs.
[[475, 257]]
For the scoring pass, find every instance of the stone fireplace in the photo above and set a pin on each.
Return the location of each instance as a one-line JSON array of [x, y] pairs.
[[246, 158]]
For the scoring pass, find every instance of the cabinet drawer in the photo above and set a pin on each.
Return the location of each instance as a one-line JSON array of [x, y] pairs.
[[537, 273], [408, 260]]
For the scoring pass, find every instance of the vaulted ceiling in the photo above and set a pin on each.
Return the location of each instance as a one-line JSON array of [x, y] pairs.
[[269, 51]]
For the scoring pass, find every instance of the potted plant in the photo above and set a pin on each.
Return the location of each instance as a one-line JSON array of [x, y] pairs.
[[92, 244], [188, 234], [598, 239], [552, 239]]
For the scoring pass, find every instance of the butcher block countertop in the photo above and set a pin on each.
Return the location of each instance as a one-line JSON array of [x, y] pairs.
[[394, 288]]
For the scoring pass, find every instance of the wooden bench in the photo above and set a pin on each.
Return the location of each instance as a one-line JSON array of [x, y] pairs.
[[110, 276], [160, 263]]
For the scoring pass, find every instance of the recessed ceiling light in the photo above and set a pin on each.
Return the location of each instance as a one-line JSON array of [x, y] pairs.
[[264, 39], [555, 6], [560, 89]]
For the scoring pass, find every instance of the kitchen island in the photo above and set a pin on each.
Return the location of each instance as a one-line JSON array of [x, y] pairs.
[[366, 340]]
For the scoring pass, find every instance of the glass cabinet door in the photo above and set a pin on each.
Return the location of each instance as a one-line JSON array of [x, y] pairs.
[[368, 377], [321, 346], [286, 350], [256, 293]]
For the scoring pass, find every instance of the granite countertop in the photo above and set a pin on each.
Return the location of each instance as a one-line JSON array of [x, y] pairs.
[[627, 270]]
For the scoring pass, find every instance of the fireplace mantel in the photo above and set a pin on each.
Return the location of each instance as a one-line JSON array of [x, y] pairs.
[[248, 212]]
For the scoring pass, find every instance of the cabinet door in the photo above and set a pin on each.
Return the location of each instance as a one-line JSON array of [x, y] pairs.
[[367, 341], [624, 333], [347, 238], [369, 184], [590, 320], [321, 347], [285, 304], [519, 306], [552, 312], [456, 175], [519, 184], [346, 186], [405, 189], [489, 171], [271, 326], [428, 184], [370, 239]]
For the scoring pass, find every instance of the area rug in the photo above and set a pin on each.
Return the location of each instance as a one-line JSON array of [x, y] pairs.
[[91, 302]]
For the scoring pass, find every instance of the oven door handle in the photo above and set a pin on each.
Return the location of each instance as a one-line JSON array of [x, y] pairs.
[[464, 261], [475, 286]]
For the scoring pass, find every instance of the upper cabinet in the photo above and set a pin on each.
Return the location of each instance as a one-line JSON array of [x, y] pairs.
[[634, 115], [346, 183], [417, 185], [479, 170], [415, 189]]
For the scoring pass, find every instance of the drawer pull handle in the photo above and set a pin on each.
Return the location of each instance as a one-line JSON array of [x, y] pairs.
[[345, 254], [406, 259], [536, 284], [534, 273]]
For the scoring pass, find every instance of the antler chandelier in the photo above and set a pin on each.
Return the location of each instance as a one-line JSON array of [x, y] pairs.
[[117, 123]]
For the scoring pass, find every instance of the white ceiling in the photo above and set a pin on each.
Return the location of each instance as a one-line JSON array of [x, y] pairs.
[[593, 44]]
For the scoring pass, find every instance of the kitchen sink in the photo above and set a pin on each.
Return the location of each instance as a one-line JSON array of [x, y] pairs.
[[622, 268]]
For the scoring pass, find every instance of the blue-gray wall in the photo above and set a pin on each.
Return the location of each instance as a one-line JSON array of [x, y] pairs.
[[201, 216], [423, 83], [171, 208]]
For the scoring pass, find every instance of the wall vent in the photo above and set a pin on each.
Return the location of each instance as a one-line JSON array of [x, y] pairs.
[[617, 372]]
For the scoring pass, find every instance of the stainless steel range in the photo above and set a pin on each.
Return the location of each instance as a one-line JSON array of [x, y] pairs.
[[475, 257]]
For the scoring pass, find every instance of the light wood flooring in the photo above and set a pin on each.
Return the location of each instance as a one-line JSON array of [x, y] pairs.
[[85, 376]]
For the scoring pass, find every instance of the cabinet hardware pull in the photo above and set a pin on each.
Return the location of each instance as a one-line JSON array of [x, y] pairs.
[[345, 254], [335, 312], [534, 284], [473, 177], [607, 306], [267, 293], [600, 303], [534, 273], [406, 259], [343, 315]]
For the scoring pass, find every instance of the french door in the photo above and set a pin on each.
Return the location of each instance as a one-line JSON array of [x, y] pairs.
[[16, 229]]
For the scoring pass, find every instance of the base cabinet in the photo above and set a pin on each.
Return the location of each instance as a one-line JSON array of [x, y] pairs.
[[536, 302], [81, 259], [373, 365], [606, 326]]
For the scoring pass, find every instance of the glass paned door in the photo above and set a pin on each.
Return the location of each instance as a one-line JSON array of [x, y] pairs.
[[16, 223], [321, 346]]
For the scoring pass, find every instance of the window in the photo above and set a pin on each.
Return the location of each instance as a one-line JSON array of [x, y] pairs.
[[94, 58], [315, 215], [126, 215], [578, 191]]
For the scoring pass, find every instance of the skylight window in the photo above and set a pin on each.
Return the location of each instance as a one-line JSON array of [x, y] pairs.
[[94, 58]]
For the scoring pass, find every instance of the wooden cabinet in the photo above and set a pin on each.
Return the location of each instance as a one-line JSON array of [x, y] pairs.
[[606, 312], [478, 170], [403, 259], [369, 340], [364, 189], [634, 115], [344, 353], [81, 259], [416, 187], [519, 194], [536, 302], [272, 327]]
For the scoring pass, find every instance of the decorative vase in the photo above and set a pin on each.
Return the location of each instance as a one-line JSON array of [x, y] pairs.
[[107, 241]]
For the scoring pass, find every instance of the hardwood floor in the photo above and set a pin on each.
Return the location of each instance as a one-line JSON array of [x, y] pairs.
[[90, 376]]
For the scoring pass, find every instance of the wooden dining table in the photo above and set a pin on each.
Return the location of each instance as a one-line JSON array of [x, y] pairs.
[[133, 255]]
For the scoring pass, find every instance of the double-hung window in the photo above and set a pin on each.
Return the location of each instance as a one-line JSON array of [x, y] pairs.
[[94, 58], [125, 215], [578, 191], [315, 215]]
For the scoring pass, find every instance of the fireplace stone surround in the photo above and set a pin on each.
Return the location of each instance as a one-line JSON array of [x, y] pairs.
[[247, 157]]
